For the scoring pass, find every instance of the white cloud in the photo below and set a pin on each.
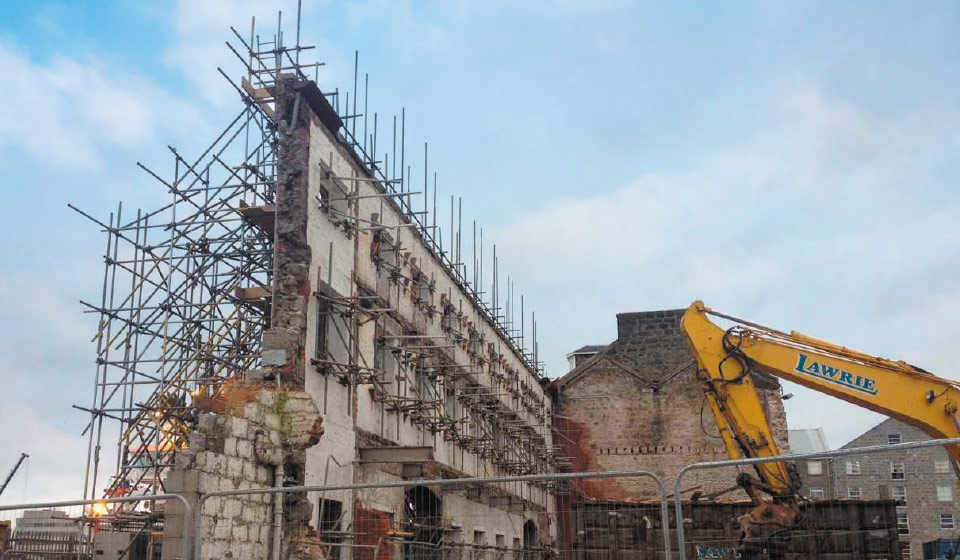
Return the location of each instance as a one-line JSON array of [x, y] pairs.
[[741, 210], [51, 334], [806, 226], [47, 362], [68, 111], [56, 457], [202, 28], [835, 144]]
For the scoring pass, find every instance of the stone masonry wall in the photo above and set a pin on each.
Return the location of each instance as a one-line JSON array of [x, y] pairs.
[[639, 405], [239, 446]]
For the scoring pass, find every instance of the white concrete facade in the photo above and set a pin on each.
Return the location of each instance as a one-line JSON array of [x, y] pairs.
[[378, 404]]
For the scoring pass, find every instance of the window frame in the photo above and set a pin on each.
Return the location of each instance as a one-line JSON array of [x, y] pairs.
[[819, 468], [816, 493], [941, 466], [944, 486], [895, 438], [894, 471], [330, 522], [849, 467], [951, 517], [893, 494], [903, 528], [855, 489]]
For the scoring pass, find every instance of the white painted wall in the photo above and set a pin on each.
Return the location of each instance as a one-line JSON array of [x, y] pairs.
[[335, 400]]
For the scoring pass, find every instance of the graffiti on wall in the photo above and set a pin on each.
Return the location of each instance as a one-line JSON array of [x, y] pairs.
[[712, 552]]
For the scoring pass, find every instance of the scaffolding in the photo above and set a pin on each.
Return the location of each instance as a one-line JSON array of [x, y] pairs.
[[186, 291], [188, 287], [478, 404]]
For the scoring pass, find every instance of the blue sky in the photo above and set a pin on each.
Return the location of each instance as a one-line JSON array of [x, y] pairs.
[[794, 164]]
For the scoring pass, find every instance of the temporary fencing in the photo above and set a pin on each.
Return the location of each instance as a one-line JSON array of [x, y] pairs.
[[571, 516], [480, 518], [829, 527], [120, 527]]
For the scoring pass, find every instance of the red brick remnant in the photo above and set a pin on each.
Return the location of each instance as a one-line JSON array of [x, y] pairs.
[[284, 341], [372, 528]]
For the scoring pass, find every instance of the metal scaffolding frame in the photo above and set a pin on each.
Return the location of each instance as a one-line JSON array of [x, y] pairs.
[[183, 305], [187, 292], [416, 375]]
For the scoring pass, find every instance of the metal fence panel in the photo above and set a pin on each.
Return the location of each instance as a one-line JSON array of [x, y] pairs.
[[864, 529], [482, 518], [128, 527]]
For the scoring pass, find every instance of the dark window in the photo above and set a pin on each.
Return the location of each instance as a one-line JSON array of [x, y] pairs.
[[903, 524], [324, 307], [897, 470], [531, 539], [900, 495], [323, 199], [423, 514], [329, 516]]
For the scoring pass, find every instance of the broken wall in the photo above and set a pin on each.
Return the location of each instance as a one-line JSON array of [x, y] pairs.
[[638, 405], [385, 340], [240, 441]]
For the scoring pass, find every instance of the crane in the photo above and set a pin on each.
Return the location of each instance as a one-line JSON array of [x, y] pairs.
[[727, 357], [3, 487]]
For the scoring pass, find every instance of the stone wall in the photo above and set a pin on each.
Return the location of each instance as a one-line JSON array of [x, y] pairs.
[[638, 405], [239, 444]]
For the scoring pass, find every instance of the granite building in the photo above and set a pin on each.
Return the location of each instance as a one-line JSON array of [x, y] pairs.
[[817, 475], [921, 481], [370, 354]]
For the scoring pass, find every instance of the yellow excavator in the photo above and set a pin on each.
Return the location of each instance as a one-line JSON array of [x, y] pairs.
[[727, 357]]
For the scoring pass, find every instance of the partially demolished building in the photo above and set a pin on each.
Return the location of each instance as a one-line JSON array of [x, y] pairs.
[[653, 414], [292, 317]]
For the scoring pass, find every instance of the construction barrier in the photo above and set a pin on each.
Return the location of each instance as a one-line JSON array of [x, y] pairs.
[[586, 516], [820, 534], [482, 518], [79, 529]]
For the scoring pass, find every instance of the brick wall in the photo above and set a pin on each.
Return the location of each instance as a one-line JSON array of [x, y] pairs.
[[639, 405]]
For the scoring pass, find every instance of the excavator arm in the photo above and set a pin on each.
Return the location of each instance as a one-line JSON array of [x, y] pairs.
[[13, 472], [727, 357]]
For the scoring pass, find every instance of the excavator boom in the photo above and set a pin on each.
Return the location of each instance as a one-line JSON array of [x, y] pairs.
[[13, 472], [728, 358]]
